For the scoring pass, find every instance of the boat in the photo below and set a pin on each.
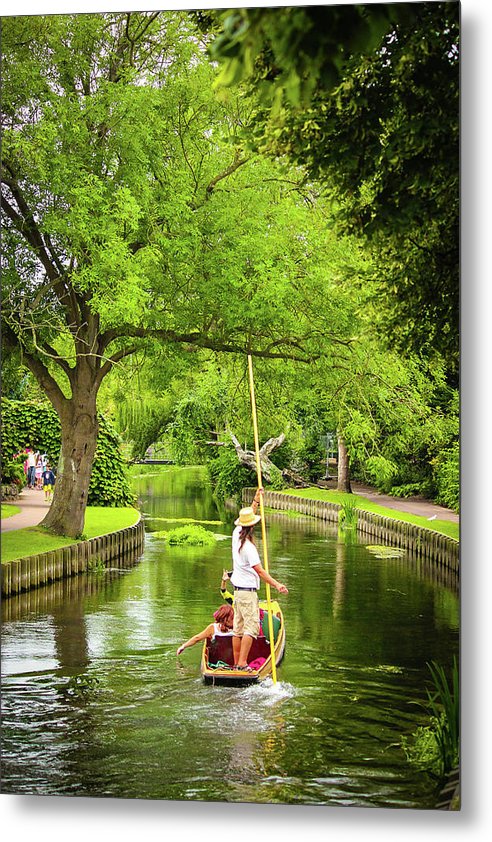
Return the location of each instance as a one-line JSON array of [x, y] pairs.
[[217, 658]]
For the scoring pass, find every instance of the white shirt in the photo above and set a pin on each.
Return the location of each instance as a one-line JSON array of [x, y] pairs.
[[244, 560], [218, 631]]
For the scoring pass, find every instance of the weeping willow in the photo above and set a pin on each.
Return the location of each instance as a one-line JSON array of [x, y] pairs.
[[142, 420]]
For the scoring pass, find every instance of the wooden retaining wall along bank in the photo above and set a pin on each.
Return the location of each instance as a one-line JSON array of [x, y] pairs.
[[422, 542], [33, 571]]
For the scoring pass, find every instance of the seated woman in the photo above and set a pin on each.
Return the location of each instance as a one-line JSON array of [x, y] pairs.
[[224, 619]]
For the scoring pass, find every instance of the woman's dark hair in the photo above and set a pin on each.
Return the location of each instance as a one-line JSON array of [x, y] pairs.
[[225, 615], [246, 532]]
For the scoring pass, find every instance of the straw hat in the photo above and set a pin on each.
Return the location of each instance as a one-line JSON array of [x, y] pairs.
[[247, 517]]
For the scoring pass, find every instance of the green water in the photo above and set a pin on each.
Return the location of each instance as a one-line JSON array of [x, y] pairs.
[[95, 701]]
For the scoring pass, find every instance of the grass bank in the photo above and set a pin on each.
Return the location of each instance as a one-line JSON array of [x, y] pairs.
[[35, 539], [445, 527], [7, 510]]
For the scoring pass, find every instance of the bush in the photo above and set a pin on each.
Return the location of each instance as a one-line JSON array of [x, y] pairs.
[[30, 424], [13, 473], [228, 476], [110, 478], [447, 477], [277, 481]]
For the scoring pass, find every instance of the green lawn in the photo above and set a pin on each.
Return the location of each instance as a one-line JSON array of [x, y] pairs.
[[7, 510], [445, 527], [35, 539]]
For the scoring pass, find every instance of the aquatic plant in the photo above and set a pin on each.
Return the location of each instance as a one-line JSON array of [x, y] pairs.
[[444, 703], [435, 747], [96, 565], [347, 515], [190, 535], [80, 685], [382, 551]]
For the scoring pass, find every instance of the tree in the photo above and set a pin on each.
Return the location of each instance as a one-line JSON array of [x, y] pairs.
[[366, 98], [133, 216]]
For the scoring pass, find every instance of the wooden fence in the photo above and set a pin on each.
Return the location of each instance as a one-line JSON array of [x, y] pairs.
[[426, 544], [33, 571]]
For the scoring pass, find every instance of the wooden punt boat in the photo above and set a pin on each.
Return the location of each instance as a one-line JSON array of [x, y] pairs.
[[217, 658]]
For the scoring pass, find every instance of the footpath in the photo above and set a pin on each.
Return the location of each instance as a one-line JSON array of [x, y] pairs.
[[411, 505], [33, 507]]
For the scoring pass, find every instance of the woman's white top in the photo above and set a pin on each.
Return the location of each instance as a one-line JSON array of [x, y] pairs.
[[219, 633], [244, 560]]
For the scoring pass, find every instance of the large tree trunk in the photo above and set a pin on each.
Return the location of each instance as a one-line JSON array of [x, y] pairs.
[[343, 467], [78, 446]]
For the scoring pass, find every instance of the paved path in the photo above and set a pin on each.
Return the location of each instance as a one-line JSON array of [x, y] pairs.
[[33, 508], [412, 505]]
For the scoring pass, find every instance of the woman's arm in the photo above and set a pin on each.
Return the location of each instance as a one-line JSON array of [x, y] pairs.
[[267, 578], [206, 633], [256, 499], [226, 595]]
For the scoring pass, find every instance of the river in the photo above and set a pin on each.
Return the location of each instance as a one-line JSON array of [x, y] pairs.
[[96, 703]]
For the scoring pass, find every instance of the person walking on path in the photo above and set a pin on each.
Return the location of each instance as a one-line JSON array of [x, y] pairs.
[[246, 575], [39, 474], [48, 479], [31, 468]]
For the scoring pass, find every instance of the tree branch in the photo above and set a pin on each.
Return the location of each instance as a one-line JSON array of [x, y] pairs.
[[238, 162], [40, 371], [199, 340]]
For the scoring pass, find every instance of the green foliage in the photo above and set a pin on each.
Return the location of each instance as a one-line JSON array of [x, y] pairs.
[[142, 419], [366, 98], [444, 703], [309, 457], [347, 515], [447, 477], [383, 551], [435, 747], [110, 479], [422, 748], [13, 473], [228, 476], [289, 50], [81, 686], [381, 470], [30, 424], [276, 479], [409, 489], [26, 423], [96, 565], [191, 535], [191, 428]]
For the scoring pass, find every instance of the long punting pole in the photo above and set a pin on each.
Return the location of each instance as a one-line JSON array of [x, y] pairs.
[[262, 513]]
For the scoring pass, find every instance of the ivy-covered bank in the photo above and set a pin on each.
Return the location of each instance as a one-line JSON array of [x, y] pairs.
[[35, 424]]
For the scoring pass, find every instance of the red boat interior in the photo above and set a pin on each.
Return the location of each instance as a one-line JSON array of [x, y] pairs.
[[220, 649]]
